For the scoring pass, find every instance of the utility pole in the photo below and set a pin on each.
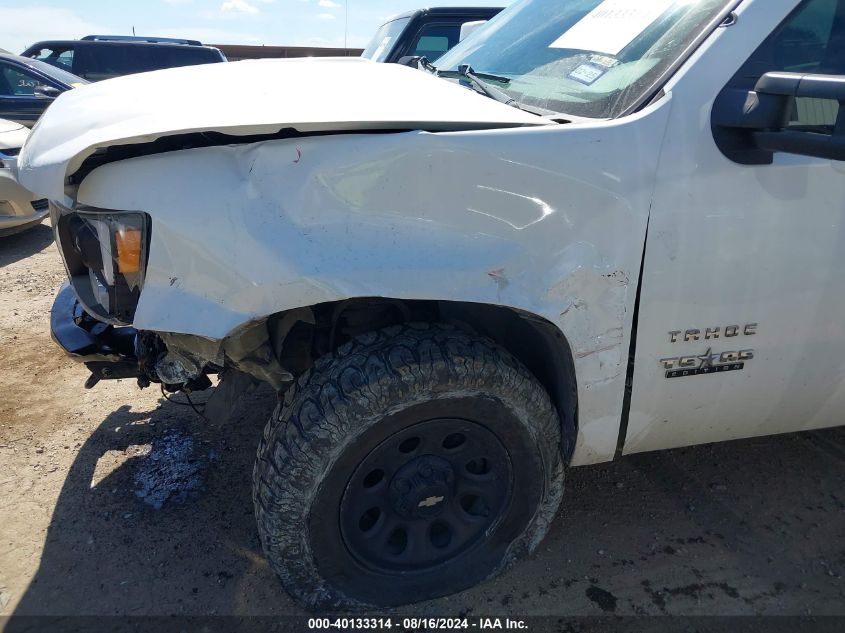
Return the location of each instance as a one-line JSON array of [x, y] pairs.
[[346, 23]]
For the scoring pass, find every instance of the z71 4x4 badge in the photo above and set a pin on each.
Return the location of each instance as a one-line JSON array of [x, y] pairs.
[[709, 362]]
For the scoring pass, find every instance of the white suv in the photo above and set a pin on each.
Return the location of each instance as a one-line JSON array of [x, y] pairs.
[[599, 227]]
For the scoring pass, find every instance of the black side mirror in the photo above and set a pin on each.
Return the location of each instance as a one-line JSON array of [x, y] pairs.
[[46, 92], [749, 127]]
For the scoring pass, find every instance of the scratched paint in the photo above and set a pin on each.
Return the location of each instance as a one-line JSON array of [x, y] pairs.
[[548, 219]]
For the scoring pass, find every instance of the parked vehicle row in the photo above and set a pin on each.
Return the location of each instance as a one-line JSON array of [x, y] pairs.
[[29, 86], [30, 82], [98, 57]]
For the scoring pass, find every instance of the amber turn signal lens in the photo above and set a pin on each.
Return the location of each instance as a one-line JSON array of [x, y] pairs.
[[128, 242]]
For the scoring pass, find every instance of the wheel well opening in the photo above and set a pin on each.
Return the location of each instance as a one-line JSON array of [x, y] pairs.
[[536, 342]]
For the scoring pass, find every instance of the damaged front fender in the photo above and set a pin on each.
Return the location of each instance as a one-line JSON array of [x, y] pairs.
[[548, 220]]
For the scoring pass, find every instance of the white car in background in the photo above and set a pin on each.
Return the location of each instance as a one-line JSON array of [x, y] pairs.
[[20, 209]]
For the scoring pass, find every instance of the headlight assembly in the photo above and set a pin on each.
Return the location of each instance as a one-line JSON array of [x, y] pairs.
[[105, 253]]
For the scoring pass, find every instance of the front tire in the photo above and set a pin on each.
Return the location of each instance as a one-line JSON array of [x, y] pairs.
[[412, 463]]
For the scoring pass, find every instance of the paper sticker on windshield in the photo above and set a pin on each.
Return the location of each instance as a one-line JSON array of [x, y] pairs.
[[612, 25], [604, 61], [587, 73]]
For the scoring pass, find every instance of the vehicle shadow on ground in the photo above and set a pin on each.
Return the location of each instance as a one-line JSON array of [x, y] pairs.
[[738, 528], [14, 248], [110, 551]]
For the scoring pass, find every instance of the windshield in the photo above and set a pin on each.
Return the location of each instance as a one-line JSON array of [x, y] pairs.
[[586, 58], [380, 46], [56, 73]]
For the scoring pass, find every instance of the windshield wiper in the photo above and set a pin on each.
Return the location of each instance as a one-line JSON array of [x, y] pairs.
[[465, 72], [466, 69], [423, 64]]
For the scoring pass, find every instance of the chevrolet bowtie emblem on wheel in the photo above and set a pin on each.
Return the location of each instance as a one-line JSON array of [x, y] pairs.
[[430, 502]]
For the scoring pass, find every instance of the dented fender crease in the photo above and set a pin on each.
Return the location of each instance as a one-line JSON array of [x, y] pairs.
[[548, 220]]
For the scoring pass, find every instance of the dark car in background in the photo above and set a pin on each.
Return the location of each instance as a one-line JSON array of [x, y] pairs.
[[28, 86], [98, 57], [425, 33]]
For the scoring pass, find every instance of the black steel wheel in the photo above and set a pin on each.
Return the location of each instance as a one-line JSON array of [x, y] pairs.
[[424, 495], [413, 463]]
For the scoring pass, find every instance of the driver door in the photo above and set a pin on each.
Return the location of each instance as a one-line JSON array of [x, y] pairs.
[[742, 320]]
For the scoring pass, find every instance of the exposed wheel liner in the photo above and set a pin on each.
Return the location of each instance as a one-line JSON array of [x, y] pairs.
[[349, 402]]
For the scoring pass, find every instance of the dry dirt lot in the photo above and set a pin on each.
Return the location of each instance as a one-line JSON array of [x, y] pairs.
[[113, 501]]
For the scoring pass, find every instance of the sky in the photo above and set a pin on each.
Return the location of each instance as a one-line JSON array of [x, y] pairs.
[[270, 22]]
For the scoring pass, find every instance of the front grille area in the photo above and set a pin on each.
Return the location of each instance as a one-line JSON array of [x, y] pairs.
[[40, 205]]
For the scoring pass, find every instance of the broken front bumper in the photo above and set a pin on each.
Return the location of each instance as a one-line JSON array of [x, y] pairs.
[[107, 351]]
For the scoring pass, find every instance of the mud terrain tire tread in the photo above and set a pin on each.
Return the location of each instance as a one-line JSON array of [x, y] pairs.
[[347, 392]]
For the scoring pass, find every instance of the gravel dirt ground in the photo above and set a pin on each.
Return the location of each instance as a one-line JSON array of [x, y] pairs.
[[114, 501]]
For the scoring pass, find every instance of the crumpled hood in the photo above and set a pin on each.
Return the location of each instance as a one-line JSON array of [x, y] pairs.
[[245, 98]]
